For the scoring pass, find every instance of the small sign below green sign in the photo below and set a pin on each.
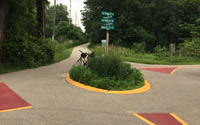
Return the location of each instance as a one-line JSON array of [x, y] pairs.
[[103, 42]]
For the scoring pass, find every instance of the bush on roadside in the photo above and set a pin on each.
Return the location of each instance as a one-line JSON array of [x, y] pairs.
[[190, 48], [139, 47], [161, 52], [32, 53]]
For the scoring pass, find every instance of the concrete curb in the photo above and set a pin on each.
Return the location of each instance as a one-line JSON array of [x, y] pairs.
[[145, 88]]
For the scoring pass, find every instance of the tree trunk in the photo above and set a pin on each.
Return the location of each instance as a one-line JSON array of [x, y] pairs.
[[40, 18], [4, 5]]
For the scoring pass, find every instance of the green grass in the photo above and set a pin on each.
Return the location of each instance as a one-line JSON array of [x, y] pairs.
[[163, 61], [146, 58], [59, 56]]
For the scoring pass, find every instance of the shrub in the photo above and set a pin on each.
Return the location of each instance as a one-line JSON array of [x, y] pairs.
[[46, 51], [81, 74], [139, 47], [190, 48], [105, 66], [32, 53], [104, 83], [122, 51], [161, 52], [137, 77], [99, 50]]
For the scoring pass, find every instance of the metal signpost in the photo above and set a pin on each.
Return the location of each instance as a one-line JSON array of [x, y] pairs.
[[107, 25]]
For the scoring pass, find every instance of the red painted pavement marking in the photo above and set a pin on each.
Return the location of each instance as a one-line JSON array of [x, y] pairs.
[[167, 70], [160, 118], [10, 100]]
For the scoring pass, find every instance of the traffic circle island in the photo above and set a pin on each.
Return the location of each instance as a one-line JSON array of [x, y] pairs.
[[144, 88]]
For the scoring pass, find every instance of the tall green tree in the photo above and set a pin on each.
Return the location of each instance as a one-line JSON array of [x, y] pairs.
[[61, 15], [70, 31], [22, 46], [157, 22]]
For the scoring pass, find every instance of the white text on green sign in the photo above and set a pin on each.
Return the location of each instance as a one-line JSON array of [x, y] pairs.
[[107, 27], [107, 13], [107, 20]]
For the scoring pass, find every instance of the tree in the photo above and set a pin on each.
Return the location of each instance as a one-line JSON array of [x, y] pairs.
[[70, 31], [61, 15], [22, 45], [157, 22]]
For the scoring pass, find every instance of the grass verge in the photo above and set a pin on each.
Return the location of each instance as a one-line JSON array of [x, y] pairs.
[[147, 58], [59, 56]]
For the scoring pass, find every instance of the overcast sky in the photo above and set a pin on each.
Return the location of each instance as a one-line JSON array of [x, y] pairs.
[[77, 5]]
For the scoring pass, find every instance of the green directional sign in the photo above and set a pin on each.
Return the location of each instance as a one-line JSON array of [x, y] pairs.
[[107, 20], [107, 13], [107, 27], [104, 27]]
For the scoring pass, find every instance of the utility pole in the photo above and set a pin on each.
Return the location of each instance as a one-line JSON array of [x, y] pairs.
[[75, 18], [70, 10], [54, 20], [40, 18]]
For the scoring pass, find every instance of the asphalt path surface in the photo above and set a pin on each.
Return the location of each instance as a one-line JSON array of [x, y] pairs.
[[56, 102]]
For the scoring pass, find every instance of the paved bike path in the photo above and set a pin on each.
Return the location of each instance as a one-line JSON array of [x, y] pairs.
[[55, 101]]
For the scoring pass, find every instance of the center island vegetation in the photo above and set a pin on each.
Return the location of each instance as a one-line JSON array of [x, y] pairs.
[[108, 72]]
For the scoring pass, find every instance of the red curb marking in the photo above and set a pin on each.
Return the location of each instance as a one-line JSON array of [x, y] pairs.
[[167, 70], [10, 100], [161, 118]]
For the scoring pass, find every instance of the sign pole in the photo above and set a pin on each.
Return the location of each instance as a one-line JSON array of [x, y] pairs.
[[107, 41], [172, 50], [108, 25]]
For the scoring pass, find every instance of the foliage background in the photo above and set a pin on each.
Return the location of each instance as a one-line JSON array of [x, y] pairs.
[[155, 22], [23, 47]]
